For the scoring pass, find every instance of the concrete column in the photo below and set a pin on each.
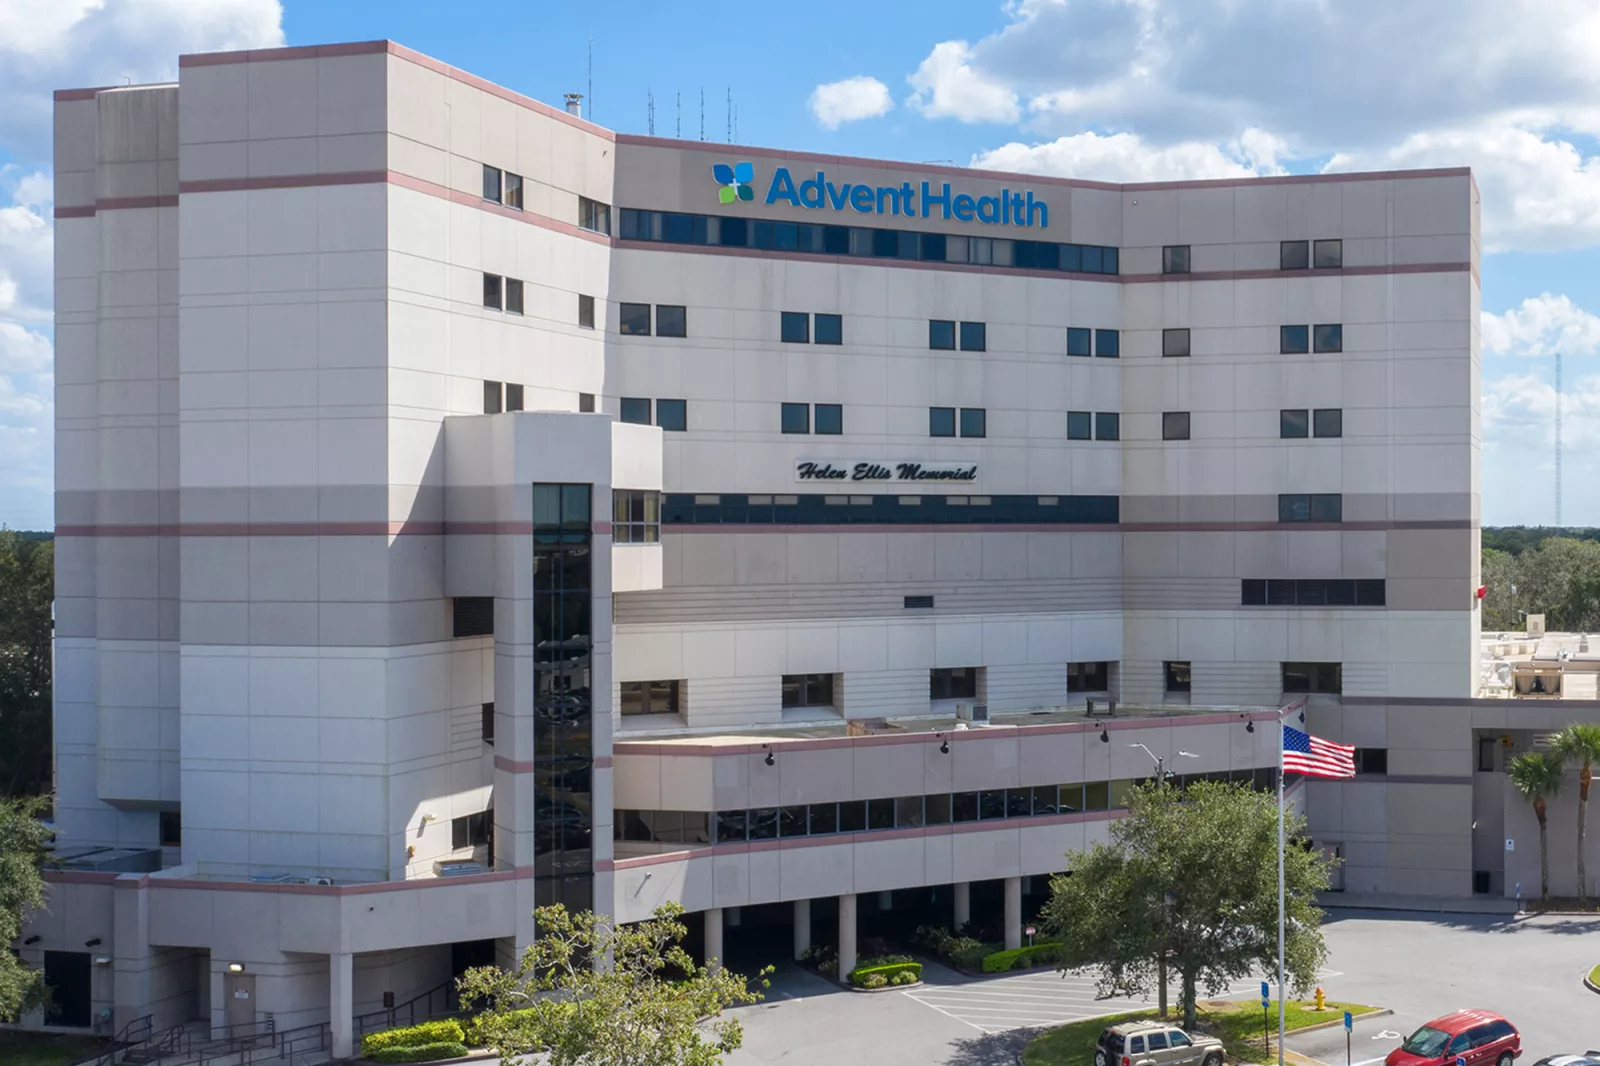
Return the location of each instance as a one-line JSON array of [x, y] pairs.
[[128, 943], [341, 1003], [802, 927], [1013, 913], [847, 935], [713, 936], [963, 903]]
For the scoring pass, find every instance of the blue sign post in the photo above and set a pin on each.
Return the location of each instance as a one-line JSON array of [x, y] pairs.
[[1266, 1023], [1349, 1023]]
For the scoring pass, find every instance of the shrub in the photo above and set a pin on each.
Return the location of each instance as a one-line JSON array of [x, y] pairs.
[[904, 977], [968, 954], [862, 975], [447, 1031], [1044, 954], [874, 961], [418, 1052]]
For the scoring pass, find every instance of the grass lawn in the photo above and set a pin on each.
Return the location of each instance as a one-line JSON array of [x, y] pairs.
[[46, 1049], [1237, 1024], [1594, 976]]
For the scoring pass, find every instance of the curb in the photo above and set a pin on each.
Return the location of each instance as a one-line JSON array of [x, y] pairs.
[[1339, 1021], [885, 988], [1590, 985]]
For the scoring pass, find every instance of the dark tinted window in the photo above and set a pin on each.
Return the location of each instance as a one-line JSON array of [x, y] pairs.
[[1294, 340], [1174, 342], [1294, 423], [974, 422], [672, 415], [513, 397], [1177, 676], [1175, 259], [974, 337], [852, 816], [491, 184], [941, 421], [1294, 255], [634, 319], [1328, 422], [1078, 425], [796, 418], [829, 418], [1372, 760], [830, 329], [941, 334], [1313, 677], [672, 321], [493, 403], [1175, 425], [1088, 677], [491, 291], [513, 296], [513, 197], [796, 327], [1107, 343], [1077, 341], [807, 690], [636, 410], [953, 684], [1329, 255], [1158, 1041], [586, 311], [1328, 338], [1107, 425]]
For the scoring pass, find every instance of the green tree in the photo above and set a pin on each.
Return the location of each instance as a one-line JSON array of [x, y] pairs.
[[647, 1007], [1538, 776], [22, 852], [1190, 880], [27, 586], [1580, 744], [1498, 573]]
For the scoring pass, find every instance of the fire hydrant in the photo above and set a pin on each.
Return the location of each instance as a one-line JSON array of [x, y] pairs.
[[1321, 1005]]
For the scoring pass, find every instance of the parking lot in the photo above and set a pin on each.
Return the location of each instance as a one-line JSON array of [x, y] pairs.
[[1422, 966]]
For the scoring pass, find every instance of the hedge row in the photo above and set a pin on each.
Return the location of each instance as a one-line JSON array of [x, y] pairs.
[[447, 1031], [419, 1052], [889, 971], [1043, 954]]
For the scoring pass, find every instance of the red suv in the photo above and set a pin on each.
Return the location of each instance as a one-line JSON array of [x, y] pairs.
[[1475, 1037]]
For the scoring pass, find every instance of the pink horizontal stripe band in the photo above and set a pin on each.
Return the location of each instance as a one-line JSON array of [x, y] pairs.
[[1007, 730], [97, 877], [270, 55], [62, 95], [75, 212], [286, 181], [1262, 273], [712, 851]]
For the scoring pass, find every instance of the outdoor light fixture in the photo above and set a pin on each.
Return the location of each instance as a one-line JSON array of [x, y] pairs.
[[31, 940], [1249, 727], [92, 943], [769, 760], [236, 967], [102, 960], [944, 747], [1105, 738]]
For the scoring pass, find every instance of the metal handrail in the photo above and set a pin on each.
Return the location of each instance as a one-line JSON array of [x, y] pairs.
[[440, 1001], [126, 1038]]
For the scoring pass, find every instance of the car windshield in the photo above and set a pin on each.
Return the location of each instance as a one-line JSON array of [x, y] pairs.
[[1428, 1043]]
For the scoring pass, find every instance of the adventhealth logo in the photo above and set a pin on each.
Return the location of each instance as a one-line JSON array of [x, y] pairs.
[[735, 181], [818, 193]]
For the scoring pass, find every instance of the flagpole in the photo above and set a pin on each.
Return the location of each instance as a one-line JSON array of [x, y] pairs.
[[1280, 893]]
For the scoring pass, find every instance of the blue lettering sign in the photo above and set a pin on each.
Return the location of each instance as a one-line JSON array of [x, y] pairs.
[[815, 193]]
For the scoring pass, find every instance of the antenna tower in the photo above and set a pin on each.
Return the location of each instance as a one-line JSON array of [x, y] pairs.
[[679, 134], [702, 112], [650, 111], [591, 79], [1558, 440], [730, 114]]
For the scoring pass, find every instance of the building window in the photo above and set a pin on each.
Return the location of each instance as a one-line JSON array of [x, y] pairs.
[[171, 829], [1486, 747], [1107, 425], [1088, 677], [957, 683], [1327, 338], [1174, 342], [673, 415], [1293, 424], [808, 690], [1175, 259], [649, 697], [585, 311], [829, 419], [1328, 422], [1372, 760], [829, 329], [974, 337], [1312, 592], [491, 292], [1294, 255], [918, 603], [974, 422], [513, 397], [486, 723], [941, 335], [1294, 340], [1313, 677], [795, 328], [594, 215], [1107, 343], [1177, 676], [492, 402], [1311, 507], [941, 421], [636, 409], [586, 403], [1079, 424], [635, 516], [1175, 425], [472, 616], [672, 320], [796, 418], [471, 830], [513, 197], [1329, 255], [491, 184], [513, 296], [634, 319], [1077, 341]]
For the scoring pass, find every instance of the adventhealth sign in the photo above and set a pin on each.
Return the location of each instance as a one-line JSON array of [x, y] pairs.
[[818, 193]]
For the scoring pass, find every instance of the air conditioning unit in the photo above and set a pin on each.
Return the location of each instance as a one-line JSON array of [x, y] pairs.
[[973, 712], [322, 880], [457, 869]]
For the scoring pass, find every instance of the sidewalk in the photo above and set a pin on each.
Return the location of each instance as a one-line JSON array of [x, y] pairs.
[[1427, 904]]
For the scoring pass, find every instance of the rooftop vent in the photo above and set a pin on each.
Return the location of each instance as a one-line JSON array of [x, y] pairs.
[[574, 104]]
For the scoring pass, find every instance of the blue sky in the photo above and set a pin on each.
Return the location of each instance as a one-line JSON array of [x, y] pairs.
[[1114, 89]]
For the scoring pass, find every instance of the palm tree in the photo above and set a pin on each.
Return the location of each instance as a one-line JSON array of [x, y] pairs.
[[1580, 744], [1538, 776]]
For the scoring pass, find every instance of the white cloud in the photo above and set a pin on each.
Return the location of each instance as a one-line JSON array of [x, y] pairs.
[[23, 351], [27, 247], [850, 100], [1127, 157], [1519, 412], [948, 86], [1542, 325], [60, 44]]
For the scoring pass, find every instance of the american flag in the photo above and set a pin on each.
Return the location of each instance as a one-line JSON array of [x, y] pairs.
[[1315, 757]]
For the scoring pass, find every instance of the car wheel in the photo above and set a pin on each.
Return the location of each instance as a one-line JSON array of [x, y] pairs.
[[1099, 1057], [1214, 1059], [1504, 1059]]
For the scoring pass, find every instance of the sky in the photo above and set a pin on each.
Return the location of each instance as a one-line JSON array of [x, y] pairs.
[[1117, 90]]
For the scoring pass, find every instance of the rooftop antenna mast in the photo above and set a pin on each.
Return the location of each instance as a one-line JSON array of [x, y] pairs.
[[650, 111], [702, 112], [1558, 441], [591, 79], [730, 114], [679, 134]]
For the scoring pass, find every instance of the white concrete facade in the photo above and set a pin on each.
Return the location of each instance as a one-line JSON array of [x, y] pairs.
[[280, 483]]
